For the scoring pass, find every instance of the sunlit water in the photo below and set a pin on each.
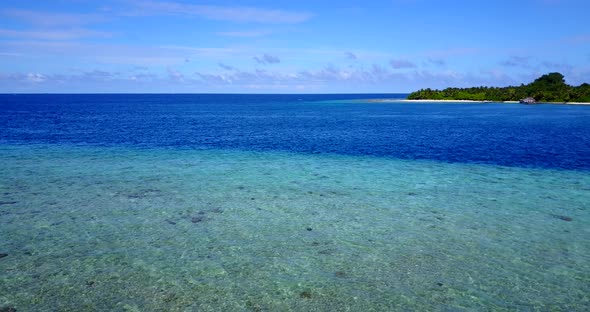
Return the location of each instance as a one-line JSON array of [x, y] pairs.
[[194, 227]]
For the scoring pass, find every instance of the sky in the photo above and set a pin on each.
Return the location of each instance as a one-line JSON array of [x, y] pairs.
[[304, 46]]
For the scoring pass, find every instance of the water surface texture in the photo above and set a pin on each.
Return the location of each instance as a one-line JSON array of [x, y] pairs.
[[550, 136], [291, 203]]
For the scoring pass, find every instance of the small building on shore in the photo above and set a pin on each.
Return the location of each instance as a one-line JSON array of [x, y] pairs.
[[528, 100]]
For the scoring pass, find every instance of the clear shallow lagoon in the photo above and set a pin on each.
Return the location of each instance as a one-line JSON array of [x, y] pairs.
[[276, 204]]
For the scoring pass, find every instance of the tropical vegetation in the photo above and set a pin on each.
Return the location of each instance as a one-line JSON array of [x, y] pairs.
[[547, 88]]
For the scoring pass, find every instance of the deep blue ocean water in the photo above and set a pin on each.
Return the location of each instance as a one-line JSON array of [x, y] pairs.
[[546, 136], [292, 203]]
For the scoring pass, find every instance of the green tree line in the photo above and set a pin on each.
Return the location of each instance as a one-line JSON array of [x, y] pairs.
[[547, 88]]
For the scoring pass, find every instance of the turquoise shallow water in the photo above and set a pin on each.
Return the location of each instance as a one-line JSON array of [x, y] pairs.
[[125, 229]]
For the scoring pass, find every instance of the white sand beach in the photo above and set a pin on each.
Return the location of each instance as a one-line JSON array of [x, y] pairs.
[[464, 101]]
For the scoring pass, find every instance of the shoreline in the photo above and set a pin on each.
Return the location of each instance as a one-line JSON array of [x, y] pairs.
[[466, 101]]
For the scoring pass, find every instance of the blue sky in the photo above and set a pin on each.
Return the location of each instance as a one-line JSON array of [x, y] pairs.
[[288, 46]]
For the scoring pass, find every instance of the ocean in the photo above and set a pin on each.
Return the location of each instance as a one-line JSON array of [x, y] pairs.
[[211, 202]]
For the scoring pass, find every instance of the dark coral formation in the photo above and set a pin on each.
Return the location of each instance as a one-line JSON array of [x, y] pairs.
[[564, 218]]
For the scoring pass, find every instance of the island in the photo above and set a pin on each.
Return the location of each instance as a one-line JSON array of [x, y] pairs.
[[549, 88]]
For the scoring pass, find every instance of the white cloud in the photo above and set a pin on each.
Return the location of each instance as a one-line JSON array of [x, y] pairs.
[[453, 52], [11, 54], [328, 79], [117, 54], [54, 34], [226, 67], [375, 75], [245, 33], [267, 59], [437, 61], [580, 39], [100, 75], [328, 74], [400, 63], [35, 77], [557, 66], [175, 75], [46, 19], [222, 13], [517, 61], [351, 56]]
